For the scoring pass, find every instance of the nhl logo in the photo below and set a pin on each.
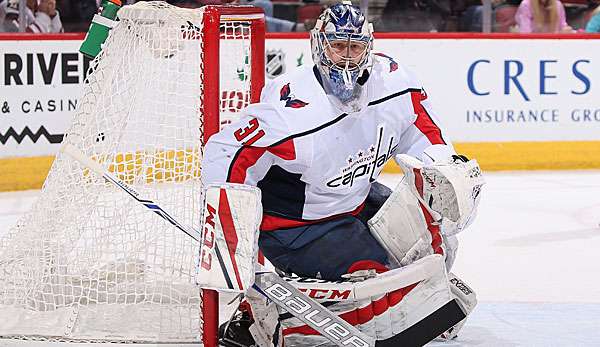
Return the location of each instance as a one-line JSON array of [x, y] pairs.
[[275, 65]]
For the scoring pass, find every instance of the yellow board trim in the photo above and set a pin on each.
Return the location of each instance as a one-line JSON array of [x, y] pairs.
[[158, 166], [24, 173], [30, 173], [500, 156]]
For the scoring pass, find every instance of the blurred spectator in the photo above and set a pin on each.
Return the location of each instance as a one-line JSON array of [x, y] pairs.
[[415, 15], [273, 24], [593, 25], [542, 16], [503, 15], [41, 16], [471, 18], [308, 15], [86, 9]]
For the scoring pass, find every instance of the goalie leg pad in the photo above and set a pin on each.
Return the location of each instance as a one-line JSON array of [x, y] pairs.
[[382, 307], [404, 228], [229, 248]]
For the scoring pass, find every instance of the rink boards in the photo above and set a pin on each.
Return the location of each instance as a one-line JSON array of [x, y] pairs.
[[513, 102]]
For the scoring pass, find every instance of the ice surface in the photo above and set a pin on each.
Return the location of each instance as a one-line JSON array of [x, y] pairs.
[[532, 256]]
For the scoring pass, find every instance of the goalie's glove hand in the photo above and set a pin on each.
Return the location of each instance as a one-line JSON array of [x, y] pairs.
[[449, 189]]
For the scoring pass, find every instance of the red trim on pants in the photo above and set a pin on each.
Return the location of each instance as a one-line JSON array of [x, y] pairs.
[[271, 222]]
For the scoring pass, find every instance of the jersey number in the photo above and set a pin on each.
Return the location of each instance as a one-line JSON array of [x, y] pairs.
[[243, 133]]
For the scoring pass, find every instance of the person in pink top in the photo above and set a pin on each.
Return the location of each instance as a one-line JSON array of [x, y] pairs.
[[542, 16]]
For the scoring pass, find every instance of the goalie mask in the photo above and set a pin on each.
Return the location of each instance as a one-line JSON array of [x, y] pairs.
[[341, 43]]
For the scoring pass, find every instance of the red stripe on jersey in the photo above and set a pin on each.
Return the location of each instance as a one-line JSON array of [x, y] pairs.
[[424, 122], [418, 181], [271, 222], [360, 315], [248, 156], [229, 232], [284, 150], [434, 230]]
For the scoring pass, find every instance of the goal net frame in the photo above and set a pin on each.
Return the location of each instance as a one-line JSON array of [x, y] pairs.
[[213, 15]]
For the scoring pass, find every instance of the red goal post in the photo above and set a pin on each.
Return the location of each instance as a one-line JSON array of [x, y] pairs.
[[213, 16]]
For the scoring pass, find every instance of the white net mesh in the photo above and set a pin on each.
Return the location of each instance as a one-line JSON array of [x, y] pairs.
[[90, 263], [235, 77]]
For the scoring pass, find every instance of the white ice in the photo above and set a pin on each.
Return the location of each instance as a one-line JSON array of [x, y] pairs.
[[532, 256]]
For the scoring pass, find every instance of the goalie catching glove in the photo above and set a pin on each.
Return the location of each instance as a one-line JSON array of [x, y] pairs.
[[450, 188]]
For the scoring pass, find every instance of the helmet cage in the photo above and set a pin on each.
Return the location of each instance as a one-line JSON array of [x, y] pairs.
[[342, 22], [332, 58]]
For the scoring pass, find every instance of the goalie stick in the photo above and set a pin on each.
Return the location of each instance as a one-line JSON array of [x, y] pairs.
[[342, 333], [310, 311], [79, 156]]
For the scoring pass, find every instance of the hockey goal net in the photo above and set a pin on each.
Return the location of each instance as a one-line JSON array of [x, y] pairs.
[[89, 263]]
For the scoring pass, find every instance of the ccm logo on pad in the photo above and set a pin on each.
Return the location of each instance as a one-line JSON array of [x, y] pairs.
[[208, 243]]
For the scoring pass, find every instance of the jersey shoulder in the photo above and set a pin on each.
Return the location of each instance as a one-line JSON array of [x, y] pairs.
[[299, 99], [289, 89], [392, 75]]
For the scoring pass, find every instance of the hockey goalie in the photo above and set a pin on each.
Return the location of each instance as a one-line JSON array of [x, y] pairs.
[[314, 146]]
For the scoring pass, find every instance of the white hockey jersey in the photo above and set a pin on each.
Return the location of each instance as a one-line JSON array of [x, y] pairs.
[[311, 161]]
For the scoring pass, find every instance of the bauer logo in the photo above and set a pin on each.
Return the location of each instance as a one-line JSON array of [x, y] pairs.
[[315, 315]]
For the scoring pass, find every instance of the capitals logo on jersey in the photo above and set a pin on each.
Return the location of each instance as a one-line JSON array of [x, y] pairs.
[[285, 94], [366, 163]]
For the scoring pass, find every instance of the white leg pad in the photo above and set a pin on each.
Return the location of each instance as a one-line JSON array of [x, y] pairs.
[[401, 228], [466, 298], [361, 303], [229, 248]]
